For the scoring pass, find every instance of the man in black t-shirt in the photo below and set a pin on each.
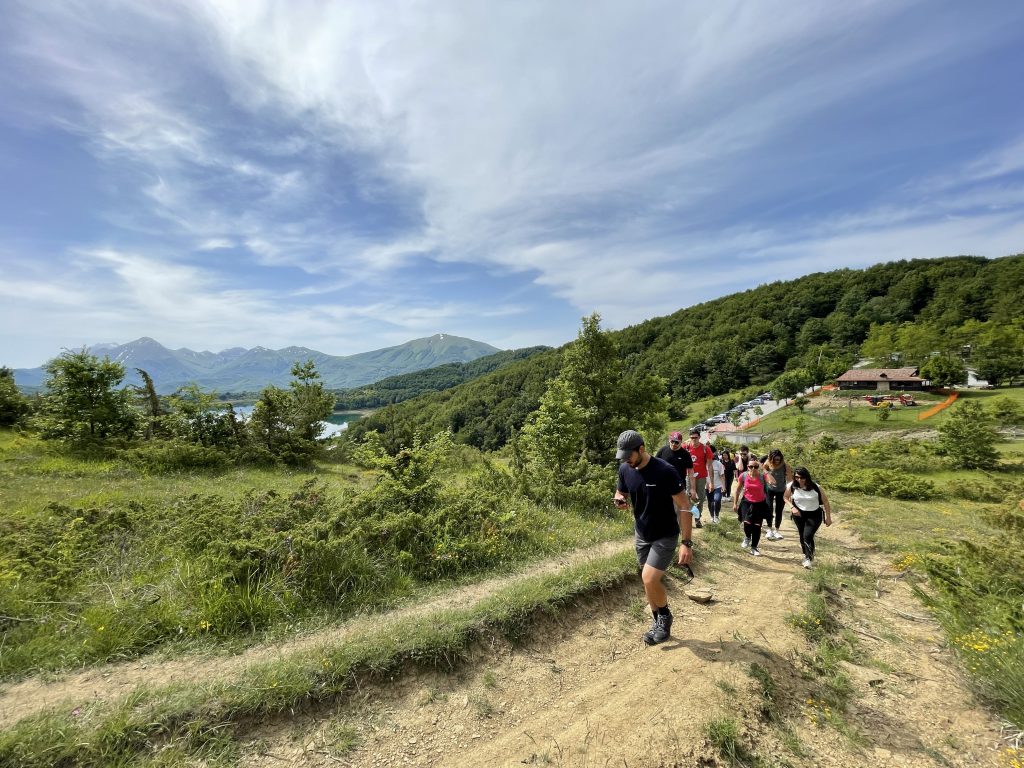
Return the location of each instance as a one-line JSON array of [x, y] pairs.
[[658, 496], [676, 455]]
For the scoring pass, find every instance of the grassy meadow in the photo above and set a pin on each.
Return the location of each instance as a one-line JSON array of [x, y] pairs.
[[100, 561]]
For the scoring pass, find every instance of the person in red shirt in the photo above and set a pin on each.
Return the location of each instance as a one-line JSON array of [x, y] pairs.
[[702, 456]]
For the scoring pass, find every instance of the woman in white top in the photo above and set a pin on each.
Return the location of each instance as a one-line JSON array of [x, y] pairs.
[[810, 507]]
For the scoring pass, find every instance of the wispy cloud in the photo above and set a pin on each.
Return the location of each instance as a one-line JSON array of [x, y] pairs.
[[295, 168]]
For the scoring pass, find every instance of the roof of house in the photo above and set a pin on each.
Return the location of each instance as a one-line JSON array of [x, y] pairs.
[[877, 374]]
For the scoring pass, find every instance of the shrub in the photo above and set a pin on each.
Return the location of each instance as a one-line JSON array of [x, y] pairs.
[[880, 482], [174, 456]]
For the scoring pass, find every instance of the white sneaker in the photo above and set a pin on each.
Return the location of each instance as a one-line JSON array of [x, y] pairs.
[[806, 563], [746, 542], [769, 535], [754, 552], [779, 536]]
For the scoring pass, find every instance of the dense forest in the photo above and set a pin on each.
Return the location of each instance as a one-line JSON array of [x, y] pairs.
[[405, 386], [818, 323]]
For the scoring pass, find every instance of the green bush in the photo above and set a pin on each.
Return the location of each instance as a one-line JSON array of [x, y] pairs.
[[880, 482], [173, 456]]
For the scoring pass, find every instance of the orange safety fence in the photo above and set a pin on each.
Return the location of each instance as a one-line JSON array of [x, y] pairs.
[[938, 407]]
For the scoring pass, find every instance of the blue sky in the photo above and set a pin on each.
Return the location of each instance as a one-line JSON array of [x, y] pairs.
[[350, 175]]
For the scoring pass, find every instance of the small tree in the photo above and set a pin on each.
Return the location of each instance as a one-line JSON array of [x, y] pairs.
[[944, 371], [201, 418], [287, 422], [613, 396], [83, 403], [800, 402], [1007, 411], [968, 438], [552, 438], [14, 406], [790, 384]]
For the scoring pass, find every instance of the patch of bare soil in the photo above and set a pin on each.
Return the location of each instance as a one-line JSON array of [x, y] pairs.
[[585, 691], [113, 681]]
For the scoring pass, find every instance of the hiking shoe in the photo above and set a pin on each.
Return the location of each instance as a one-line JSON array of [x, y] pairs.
[[806, 563], [755, 552], [779, 536], [660, 631], [746, 542], [697, 523]]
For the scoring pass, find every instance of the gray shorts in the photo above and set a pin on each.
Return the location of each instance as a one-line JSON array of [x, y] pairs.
[[658, 553]]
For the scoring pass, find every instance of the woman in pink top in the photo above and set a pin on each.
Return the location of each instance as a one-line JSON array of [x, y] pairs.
[[752, 501]]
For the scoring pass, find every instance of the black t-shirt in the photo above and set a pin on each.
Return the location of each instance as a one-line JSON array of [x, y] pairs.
[[651, 490], [680, 460]]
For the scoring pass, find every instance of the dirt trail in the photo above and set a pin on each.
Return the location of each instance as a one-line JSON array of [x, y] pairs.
[[587, 692], [112, 681]]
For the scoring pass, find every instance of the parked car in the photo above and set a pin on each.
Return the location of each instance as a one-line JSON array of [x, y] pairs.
[[702, 427], [766, 396], [721, 418], [757, 401], [738, 409]]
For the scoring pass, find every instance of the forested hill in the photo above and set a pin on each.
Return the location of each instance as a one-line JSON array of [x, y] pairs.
[[816, 322], [397, 389]]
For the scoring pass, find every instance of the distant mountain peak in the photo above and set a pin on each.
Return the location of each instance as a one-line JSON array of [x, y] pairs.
[[249, 370]]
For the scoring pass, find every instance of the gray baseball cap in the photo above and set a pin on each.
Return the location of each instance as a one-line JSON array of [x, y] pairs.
[[628, 442]]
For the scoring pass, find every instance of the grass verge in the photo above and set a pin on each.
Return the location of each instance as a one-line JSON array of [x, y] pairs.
[[200, 721], [830, 646]]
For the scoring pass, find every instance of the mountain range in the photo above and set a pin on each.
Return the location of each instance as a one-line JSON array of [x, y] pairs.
[[238, 370]]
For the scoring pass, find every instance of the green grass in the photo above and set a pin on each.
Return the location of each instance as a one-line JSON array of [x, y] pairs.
[[99, 562], [201, 718]]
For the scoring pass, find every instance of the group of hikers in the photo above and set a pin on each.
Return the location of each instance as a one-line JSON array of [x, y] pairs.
[[668, 492]]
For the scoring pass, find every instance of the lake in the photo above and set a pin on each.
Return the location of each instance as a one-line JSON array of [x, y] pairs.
[[333, 425]]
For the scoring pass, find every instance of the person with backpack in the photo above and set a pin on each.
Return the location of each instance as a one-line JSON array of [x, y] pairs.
[[810, 507], [750, 500], [742, 462]]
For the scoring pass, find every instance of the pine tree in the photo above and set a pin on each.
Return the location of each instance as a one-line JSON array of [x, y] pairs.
[[968, 438]]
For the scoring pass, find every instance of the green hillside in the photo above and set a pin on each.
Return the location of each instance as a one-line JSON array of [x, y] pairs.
[[818, 322], [397, 389]]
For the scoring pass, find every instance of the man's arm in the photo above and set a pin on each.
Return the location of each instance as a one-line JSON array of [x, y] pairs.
[[691, 483], [685, 525]]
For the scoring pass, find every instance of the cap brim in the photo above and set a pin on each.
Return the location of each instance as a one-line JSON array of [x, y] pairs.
[[623, 453]]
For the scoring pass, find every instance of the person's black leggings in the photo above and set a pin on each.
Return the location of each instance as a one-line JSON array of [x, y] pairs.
[[752, 513], [728, 483], [776, 501], [808, 524]]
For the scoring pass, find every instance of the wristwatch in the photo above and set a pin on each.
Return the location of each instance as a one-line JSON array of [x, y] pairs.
[[687, 543]]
